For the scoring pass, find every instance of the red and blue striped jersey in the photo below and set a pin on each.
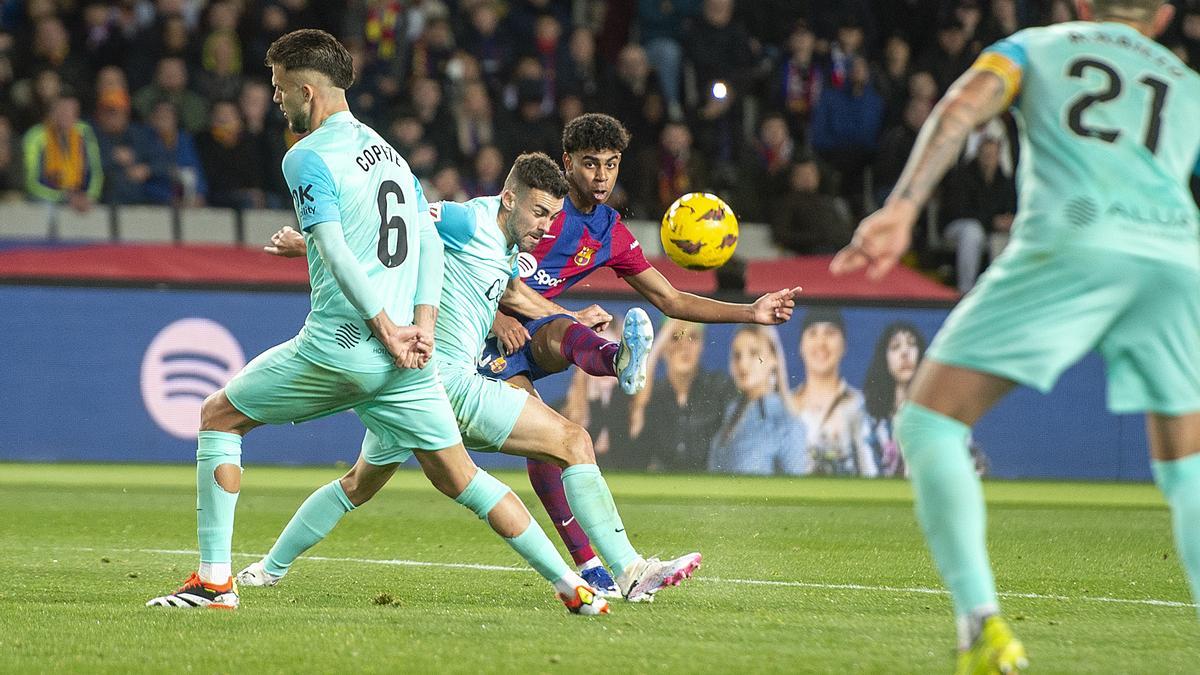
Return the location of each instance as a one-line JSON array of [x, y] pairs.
[[578, 243]]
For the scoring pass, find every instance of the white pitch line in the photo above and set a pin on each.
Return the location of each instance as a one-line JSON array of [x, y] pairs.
[[721, 580]]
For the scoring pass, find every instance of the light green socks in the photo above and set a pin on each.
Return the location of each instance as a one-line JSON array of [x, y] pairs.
[[536, 548], [1179, 481], [482, 495], [317, 516], [215, 506], [592, 503], [949, 506]]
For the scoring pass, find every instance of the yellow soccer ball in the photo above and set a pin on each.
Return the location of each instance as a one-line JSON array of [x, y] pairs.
[[699, 231]]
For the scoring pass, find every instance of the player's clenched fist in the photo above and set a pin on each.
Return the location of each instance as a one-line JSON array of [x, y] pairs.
[[286, 243], [594, 317]]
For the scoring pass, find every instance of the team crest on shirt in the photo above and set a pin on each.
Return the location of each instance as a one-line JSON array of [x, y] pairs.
[[584, 255], [498, 365]]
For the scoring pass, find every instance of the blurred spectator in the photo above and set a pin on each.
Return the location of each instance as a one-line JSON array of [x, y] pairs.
[[633, 86], [848, 46], [898, 352], [569, 107], [475, 124], [447, 186], [405, 133], [891, 79], [432, 50], [766, 165], [185, 185], [798, 83], [32, 99], [429, 108], [661, 26], [720, 52], [977, 207], [523, 16], [548, 49], [759, 433], [832, 411], [62, 158], [845, 129], [384, 29], [668, 171], [531, 129], [8, 71], [683, 408], [104, 41], [488, 177], [896, 145], [170, 84], [804, 220], [488, 41], [133, 162], [772, 21], [1000, 22], [232, 163], [168, 37], [581, 75], [10, 162], [263, 124], [52, 51], [949, 57], [220, 76], [969, 14]]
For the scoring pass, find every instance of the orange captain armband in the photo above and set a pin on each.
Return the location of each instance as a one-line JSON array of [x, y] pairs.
[[1002, 66]]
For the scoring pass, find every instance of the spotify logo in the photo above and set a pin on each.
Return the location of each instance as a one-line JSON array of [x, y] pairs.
[[187, 361]]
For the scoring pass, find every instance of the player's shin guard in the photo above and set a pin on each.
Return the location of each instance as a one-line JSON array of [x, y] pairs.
[[317, 516], [592, 503], [1179, 481], [593, 354], [546, 479], [214, 505], [949, 505]]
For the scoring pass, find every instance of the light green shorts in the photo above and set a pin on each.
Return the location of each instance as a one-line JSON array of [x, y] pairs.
[[486, 409], [404, 409], [1034, 313]]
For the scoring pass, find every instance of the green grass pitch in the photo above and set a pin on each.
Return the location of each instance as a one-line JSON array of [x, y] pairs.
[[805, 575]]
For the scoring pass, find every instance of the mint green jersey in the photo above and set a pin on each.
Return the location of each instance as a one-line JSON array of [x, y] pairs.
[[345, 172], [479, 265], [1110, 133]]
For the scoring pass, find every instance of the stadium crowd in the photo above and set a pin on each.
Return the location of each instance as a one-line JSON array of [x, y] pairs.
[[800, 112]]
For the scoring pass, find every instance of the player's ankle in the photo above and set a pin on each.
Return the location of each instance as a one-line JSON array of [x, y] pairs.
[[589, 564]]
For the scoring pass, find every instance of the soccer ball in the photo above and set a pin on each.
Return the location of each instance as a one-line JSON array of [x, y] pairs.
[[699, 231]]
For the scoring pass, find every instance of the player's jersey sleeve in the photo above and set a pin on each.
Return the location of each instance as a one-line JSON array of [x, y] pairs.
[[627, 257], [455, 223], [1008, 59], [312, 188], [429, 275]]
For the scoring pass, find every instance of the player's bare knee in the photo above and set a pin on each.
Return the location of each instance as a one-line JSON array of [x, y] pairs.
[[577, 445], [228, 477]]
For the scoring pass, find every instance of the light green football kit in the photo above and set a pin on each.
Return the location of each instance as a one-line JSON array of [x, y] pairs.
[[344, 172], [479, 263], [1106, 250]]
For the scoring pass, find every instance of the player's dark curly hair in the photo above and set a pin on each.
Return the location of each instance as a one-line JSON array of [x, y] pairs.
[[594, 131], [879, 386], [312, 49], [536, 170]]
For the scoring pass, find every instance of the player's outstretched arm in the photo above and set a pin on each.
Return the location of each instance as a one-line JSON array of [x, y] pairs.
[[772, 308], [520, 299], [977, 96]]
